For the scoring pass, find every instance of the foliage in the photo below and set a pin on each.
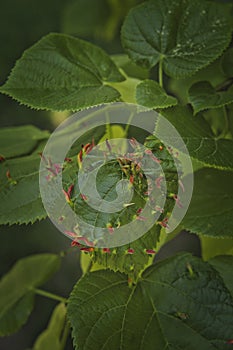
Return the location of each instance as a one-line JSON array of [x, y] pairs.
[[180, 64]]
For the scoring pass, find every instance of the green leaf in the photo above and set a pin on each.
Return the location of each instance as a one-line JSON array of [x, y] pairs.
[[21, 140], [133, 257], [19, 170], [52, 336], [218, 120], [17, 315], [127, 89], [200, 141], [150, 94], [213, 73], [180, 303], [20, 195], [150, 34], [60, 72], [211, 209], [214, 246], [16, 289], [203, 96], [117, 259], [224, 266], [114, 132], [227, 63]]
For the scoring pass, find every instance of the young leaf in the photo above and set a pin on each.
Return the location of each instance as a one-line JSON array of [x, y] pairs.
[[51, 338], [184, 35], [203, 96], [213, 73], [218, 119], [174, 306], [16, 289], [150, 94], [211, 209], [60, 72]]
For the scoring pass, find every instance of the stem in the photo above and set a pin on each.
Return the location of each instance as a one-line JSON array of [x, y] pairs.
[[128, 123], [161, 72], [224, 85], [49, 295], [89, 267], [65, 335]]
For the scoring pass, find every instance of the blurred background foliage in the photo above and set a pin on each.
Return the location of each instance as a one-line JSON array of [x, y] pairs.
[[22, 23]]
